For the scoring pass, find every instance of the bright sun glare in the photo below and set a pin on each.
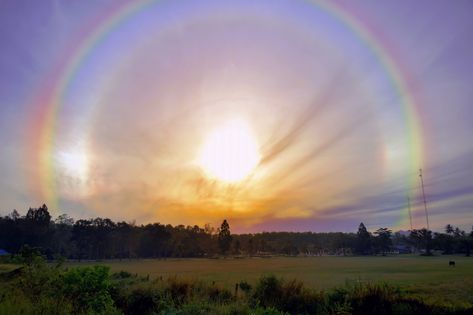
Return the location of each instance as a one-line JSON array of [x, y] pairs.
[[230, 152]]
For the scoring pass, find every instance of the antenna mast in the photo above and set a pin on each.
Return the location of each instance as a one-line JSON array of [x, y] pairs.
[[409, 209], [425, 201]]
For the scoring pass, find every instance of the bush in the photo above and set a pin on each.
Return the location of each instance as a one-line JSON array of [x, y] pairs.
[[373, 298], [178, 290], [217, 295], [268, 291], [88, 289], [245, 287], [379, 298], [296, 299], [290, 296], [14, 301], [142, 301]]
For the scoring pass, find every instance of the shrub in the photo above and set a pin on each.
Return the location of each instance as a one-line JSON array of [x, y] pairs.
[[142, 301], [371, 298], [88, 289], [296, 299], [217, 295], [178, 290], [14, 301], [245, 287], [290, 296], [268, 291]]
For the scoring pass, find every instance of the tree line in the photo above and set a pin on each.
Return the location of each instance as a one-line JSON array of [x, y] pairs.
[[102, 238]]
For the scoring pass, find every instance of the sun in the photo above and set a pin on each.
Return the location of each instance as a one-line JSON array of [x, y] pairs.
[[230, 152]]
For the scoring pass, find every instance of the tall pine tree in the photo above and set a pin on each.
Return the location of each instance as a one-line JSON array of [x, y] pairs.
[[224, 237]]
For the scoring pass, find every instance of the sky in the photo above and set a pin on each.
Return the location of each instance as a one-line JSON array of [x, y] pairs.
[[276, 115]]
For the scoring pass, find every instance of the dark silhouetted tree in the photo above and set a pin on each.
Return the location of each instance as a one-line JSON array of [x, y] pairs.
[[40, 215], [383, 240], [449, 229], [363, 241], [83, 239], [224, 237], [101, 238], [236, 247], [14, 215], [36, 228], [422, 239], [62, 233]]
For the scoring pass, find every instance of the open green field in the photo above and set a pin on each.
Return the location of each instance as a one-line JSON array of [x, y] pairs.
[[428, 277]]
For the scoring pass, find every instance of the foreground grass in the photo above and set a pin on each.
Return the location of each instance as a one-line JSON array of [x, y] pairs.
[[39, 289], [428, 278], [7, 267], [245, 287]]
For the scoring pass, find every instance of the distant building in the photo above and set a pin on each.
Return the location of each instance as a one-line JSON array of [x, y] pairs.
[[3, 252], [402, 249]]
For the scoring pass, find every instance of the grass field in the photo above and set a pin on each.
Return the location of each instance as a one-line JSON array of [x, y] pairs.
[[427, 277]]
